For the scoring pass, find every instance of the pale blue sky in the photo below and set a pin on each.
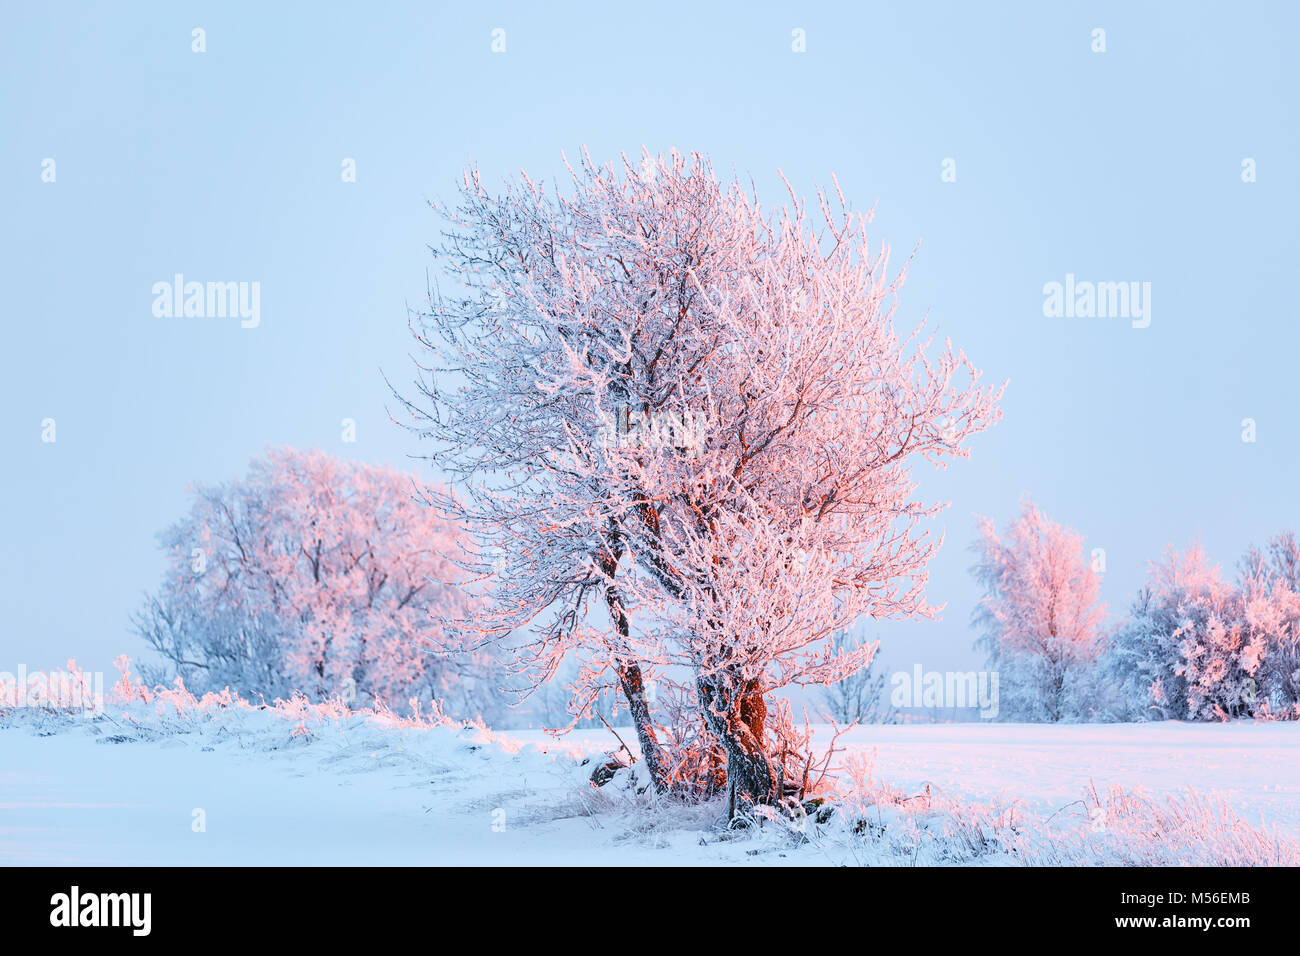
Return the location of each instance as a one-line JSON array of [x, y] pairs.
[[1115, 166]]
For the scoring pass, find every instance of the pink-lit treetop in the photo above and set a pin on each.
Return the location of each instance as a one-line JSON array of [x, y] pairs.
[[312, 574], [1270, 589], [1041, 612], [1220, 644], [1195, 644]]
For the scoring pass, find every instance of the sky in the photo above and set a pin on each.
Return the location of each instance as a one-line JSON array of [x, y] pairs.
[[1123, 165]]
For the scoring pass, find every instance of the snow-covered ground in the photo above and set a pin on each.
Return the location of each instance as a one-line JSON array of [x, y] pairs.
[[255, 787]]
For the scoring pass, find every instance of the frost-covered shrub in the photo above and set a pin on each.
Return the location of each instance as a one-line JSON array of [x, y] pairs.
[[1194, 645]]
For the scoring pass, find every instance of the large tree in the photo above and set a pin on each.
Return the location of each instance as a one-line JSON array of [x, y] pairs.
[[655, 396]]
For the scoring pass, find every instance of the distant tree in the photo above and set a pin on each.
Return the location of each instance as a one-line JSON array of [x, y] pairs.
[[548, 706], [860, 696], [1041, 614], [1269, 585], [317, 575]]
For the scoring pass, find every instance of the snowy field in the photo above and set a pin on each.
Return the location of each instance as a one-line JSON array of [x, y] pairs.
[[265, 787]]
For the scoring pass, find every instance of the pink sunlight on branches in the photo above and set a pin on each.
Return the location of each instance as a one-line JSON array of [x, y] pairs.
[[315, 575], [1218, 646], [696, 417], [1041, 613], [1199, 647]]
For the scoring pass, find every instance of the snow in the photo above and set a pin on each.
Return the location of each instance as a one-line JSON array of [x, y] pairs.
[[1255, 766], [354, 790]]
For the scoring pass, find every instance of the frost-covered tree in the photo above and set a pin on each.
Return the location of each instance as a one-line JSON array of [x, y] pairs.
[[1041, 615], [1269, 586], [1193, 645], [318, 575], [657, 397]]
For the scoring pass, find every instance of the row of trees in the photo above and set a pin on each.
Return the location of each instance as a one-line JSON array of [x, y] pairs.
[[1194, 646], [679, 430]]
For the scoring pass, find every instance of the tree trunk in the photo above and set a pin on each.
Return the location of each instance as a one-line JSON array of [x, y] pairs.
[[736, 713], [629, 674], [1056, 695], [629, 677]]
